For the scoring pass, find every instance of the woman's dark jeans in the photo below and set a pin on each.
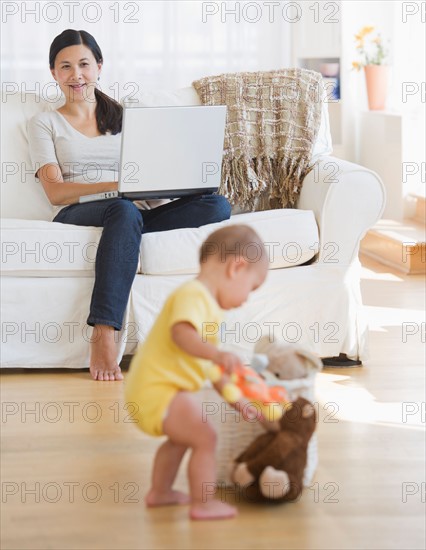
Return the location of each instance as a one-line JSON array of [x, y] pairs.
[[118, 251]]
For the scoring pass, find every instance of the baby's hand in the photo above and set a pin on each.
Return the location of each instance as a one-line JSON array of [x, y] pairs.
[[229, 361], [249, 412]]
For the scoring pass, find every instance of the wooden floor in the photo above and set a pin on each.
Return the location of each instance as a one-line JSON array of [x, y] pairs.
[[74, 471]]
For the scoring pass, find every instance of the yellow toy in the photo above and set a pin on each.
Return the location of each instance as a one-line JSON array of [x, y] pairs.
[[271, 400]]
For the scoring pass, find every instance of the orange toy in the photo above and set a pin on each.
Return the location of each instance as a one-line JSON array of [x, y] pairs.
[[247, 383]]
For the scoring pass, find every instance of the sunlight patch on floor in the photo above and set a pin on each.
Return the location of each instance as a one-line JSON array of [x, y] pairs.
[[344, 399], [379, 317]]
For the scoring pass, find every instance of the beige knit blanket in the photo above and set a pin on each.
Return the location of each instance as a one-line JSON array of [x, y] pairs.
[[273, 118]]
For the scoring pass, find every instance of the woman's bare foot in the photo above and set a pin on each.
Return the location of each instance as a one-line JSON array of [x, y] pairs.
[[212, 509], [153, 498], [103, 354]]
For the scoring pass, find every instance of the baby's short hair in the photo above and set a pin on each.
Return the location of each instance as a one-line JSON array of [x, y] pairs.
[[239, 241]]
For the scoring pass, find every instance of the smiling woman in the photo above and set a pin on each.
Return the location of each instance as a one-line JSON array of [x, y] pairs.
[[77, 77], [75, 151]]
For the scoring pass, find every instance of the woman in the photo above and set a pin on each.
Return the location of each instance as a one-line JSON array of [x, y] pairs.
[[79, 144]]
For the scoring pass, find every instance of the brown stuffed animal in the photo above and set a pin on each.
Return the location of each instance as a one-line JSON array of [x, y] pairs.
[[272, 466]]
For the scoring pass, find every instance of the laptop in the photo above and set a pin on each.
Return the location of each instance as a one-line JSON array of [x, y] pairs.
[[169, 152]]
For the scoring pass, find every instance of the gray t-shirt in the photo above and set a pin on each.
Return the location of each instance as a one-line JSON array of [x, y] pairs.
[[53, 140]]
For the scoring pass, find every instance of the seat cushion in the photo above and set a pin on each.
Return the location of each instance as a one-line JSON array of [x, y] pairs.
[[48, 249], [290, 236], [34, 248]]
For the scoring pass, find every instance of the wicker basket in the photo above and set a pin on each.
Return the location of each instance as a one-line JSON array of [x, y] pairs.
[[235, 434]]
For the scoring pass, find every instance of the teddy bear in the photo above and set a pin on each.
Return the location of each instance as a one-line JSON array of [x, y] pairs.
[[272, 466], [284, 361]]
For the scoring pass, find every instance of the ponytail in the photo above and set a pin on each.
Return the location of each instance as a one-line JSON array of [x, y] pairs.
[[109, 114]]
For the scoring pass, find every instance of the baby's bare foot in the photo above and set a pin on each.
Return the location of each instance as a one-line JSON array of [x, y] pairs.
[[213, 509], [103, 355], [169, 498]]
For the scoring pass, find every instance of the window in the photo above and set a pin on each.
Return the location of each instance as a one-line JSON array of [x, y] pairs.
[[155, 44]]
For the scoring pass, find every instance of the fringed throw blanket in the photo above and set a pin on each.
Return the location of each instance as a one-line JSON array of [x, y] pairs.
[[273, 118]]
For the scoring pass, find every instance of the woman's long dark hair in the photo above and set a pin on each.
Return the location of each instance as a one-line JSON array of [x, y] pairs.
[[109, 113]]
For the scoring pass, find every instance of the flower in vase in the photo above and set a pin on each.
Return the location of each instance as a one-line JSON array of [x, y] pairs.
[[370, 50]]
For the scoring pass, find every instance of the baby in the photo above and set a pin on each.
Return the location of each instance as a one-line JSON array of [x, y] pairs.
[[170, 366]]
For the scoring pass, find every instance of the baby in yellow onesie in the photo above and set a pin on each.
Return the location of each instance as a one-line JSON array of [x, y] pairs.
[[160, 367], [171, 364]]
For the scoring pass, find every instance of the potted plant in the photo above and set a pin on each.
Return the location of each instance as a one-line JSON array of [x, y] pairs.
[[373, 56]]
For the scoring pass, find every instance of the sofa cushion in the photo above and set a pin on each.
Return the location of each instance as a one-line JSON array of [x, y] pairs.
[[48, 249], [33, 248], [188, 96], [22, 196], [163, 98], [290, 236]]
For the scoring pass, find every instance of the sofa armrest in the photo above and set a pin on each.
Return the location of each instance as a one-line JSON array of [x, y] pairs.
[[347, 199]]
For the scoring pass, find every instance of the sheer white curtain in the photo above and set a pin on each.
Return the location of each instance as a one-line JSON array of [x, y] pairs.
[[148, 44]]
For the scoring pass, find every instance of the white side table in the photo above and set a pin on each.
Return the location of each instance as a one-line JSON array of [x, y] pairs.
[[390, 144]]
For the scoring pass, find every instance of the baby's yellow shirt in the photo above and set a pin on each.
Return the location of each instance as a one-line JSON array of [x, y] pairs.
[[159, 360]]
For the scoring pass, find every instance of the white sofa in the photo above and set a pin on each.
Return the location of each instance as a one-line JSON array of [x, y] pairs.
[[311, 295]]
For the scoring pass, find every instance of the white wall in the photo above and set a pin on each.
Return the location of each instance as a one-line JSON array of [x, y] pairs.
[[406, 34]]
